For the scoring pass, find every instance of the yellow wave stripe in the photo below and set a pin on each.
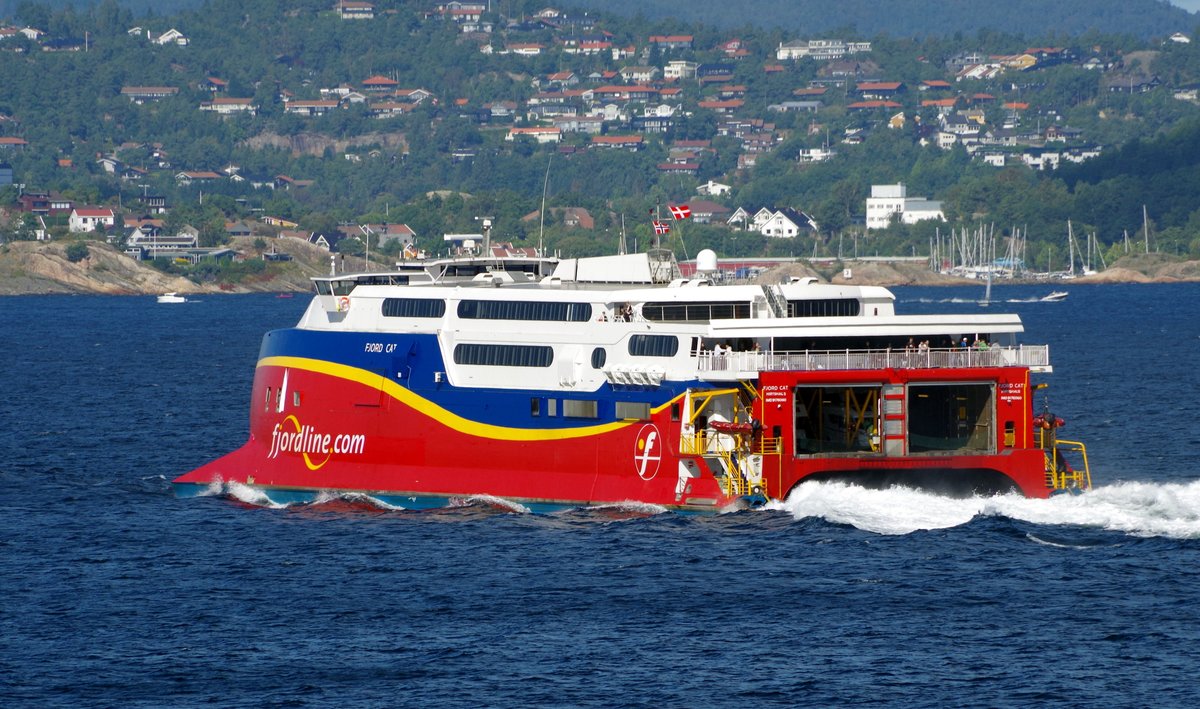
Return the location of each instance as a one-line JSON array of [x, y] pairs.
[[445, 416]]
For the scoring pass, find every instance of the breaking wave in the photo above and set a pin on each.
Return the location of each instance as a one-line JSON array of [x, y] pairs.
[[1139, 509]]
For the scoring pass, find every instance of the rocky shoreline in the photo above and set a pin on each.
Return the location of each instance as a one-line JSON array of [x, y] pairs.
[[34, 268]]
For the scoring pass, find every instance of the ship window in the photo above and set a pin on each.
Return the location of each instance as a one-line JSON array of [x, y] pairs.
[[580, 408], [653, 345], [535, 407], [695, 312], [504, 355], [675, 412], [267, 400], [295, 398], [599, 357], [824, 308], [552, 407], [413, 308], [323, 288], [950, 417], [524, 310], [836, 419], [633, 410]]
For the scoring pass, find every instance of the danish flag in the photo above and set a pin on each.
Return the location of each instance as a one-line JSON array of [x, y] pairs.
[[681, 212], [661, 227]]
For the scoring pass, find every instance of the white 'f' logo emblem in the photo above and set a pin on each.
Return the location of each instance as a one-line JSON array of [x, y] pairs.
[[646, 455]]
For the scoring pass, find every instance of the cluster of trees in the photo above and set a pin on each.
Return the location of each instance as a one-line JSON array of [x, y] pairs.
[[423, 187], [1143, 18]]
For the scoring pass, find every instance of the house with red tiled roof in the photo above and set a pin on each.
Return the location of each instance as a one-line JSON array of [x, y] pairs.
[[12, 143], [524, 49], [939, 103], [388, 109], [562, 78], [85, 219], [869, 105], [935, 85], [879, 89], [379, 83], [672, 41], [589, 47], [628, 142], [726, 106], [542, 134]]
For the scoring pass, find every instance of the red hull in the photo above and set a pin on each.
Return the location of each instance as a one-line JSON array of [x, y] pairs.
[[337, 429]]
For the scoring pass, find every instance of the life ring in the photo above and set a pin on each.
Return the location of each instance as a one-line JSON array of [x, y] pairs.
[[343, 304]]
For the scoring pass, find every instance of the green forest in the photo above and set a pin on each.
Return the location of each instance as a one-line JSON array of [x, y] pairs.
[[438, 166], [916, 18]]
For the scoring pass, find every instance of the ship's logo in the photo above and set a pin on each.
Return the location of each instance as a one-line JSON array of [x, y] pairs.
[[316, 448], [647, 452]]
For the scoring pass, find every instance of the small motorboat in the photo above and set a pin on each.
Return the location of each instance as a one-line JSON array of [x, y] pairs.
[[171, 298], [1055, 296]]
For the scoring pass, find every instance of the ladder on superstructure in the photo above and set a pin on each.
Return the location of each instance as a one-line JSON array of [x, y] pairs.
[[775, 299]]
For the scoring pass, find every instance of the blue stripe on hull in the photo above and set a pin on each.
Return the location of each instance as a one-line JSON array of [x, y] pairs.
[[416, 358]]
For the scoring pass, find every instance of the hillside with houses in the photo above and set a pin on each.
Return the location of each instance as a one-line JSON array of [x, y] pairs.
[[382, 127]]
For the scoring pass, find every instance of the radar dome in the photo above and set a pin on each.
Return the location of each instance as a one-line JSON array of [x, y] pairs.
[[706, 261]]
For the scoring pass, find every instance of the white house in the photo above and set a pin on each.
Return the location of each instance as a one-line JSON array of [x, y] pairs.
[[84, 219], [713, 188], [539, 133], [781, 223], [171, 36], [787, 223], [888, 200]]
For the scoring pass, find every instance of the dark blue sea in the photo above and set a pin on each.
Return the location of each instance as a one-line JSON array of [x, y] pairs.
[[114, 593]]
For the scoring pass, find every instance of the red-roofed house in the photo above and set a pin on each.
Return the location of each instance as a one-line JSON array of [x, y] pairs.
[[868, 105], [85, 219], [939, 103], [379, 83], [539, 133], [628, 142], [879, 89], [728, 106]]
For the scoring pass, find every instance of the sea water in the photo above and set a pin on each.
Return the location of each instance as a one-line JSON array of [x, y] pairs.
[[115, 593]]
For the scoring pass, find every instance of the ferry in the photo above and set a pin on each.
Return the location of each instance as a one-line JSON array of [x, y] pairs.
[[554, 384]]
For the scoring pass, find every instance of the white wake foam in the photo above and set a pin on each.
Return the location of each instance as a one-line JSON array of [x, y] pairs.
[[1138, 509]]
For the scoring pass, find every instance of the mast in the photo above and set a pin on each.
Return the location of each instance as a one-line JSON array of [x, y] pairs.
[[1146, 228]]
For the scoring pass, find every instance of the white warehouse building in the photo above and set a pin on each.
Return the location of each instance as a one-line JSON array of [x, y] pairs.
[[888, 200]]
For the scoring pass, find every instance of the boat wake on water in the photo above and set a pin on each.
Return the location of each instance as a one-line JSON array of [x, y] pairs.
[[1170, 510]]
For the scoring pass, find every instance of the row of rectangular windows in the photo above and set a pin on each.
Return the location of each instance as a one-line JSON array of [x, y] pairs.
[[827, 308], [543, 355], [589, 408], [582, 312], [695, 312], [489, 310]]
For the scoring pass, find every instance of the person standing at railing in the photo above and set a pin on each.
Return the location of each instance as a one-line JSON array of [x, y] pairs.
[[719, 353]]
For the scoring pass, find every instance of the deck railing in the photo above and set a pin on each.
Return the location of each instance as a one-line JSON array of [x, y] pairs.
[[812, 360]]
